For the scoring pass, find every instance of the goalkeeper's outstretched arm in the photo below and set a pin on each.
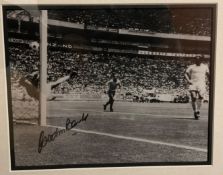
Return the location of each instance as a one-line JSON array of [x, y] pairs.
[[59, 81], [63, 79]]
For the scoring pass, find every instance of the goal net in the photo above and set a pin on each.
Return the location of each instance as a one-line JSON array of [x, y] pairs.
[[28, 76], [25, 108]]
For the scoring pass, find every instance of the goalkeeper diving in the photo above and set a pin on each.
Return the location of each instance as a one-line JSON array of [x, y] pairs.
[[31, 83]]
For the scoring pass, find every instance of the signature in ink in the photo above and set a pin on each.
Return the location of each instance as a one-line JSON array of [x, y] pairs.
[[44, 140]]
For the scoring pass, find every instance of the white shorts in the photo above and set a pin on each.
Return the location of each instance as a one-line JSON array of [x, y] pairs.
[[198, 87]]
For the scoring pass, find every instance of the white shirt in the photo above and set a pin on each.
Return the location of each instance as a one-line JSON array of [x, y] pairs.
[[196, 73]]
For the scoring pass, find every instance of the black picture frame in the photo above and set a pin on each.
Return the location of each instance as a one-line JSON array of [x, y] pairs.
[[88, 165]]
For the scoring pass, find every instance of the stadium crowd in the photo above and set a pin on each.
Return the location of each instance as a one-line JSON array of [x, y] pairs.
[[23, 60], [95, 69]]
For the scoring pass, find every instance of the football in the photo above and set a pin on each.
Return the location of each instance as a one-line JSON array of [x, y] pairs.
[[34, 45]]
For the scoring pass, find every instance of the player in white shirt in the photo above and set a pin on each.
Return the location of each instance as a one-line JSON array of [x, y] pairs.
[[196, 77]]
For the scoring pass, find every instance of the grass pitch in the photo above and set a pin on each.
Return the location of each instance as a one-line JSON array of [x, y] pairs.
[[149, 133]]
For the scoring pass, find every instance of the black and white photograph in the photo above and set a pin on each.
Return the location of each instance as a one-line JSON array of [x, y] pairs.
[[109, 86]]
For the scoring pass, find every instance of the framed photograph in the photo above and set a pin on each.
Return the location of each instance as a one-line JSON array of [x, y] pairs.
[[111, 88]]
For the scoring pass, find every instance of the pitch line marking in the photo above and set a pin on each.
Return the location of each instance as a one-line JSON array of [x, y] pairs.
[[128, 113], [135, 139]]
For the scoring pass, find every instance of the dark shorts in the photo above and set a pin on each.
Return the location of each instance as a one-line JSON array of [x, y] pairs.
[[111, 93]]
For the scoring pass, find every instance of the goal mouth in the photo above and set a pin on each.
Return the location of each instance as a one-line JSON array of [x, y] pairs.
[[25, 109]]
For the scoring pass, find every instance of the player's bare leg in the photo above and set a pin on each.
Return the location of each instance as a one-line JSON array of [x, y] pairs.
[[111, 104], [193, 101], [110, 101], [199, 104], [194, 104], [105, 105]]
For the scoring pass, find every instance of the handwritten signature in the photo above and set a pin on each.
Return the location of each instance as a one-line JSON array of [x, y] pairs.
[[43, 140]]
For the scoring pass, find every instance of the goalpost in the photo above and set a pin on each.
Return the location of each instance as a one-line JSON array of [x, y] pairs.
[[43, 66]]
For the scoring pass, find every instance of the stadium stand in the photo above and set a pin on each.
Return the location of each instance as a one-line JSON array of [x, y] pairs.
[[165, 75], [94, 70], [163, 20]]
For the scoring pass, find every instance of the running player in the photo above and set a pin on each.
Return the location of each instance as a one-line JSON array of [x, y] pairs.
[[196, 77], [112, 86]]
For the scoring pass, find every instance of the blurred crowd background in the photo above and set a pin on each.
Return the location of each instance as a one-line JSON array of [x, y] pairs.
[[136, 73]]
